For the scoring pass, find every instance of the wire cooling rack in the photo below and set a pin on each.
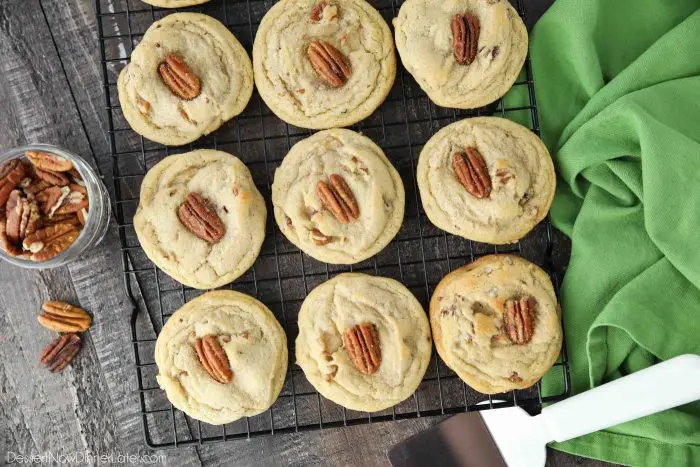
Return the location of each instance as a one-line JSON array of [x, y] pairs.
[[282, 276]]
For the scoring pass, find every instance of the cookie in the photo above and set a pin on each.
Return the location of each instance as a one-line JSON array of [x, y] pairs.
[[496, 323], [209, 238], [174, 3], [251, 353], [464, 53], [337, 197], [187, 76], [364, 341], [323, 63], [486, 179]]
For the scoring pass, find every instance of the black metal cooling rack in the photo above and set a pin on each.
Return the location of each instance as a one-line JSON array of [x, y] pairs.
[[282, 276]]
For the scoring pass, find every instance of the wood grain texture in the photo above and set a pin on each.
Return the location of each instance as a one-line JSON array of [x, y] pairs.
[[51, 91]]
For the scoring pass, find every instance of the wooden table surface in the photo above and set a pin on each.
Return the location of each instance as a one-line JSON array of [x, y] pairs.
[[51, 91]]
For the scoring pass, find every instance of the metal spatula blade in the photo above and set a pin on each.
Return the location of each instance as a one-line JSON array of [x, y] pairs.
[[512, 437], [470, 439]]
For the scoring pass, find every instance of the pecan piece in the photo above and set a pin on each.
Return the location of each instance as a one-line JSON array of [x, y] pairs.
[[465, 37], [324, 11], [51, 177], [73, 202], [63, 317], [82, 216], [50, 241], [519, 319], [22, 217], [47, 161], [179, 77], [329, 63], [11, 174], [319, 238], [59, 353], [71, 219], [472, 173], [51, 199], [5, 243], [361, 342], [199, 216], [338, 198], [35, 186], [214, 359]]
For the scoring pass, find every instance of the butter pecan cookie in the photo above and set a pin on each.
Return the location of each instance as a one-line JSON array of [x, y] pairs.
[[464, 53], [187, 76], [337, 197], [222, 356], [496, 323], [486, 179], [364, 341], [323, 63], [201, 219]]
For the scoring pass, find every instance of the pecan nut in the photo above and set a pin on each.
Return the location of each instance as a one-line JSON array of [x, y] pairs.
[[51, 199], [361, 342], [324, 11], [519, 319], [11, 174], [329, 63], [22, 217], [338, 198], [72, 203], [319, 238], [179, 77], [47, 161], [199, 216], [214, 359], [63, 317], [9, 247], [472, 173], [51, 177], [465, 38], [50, 241], [59, 353]]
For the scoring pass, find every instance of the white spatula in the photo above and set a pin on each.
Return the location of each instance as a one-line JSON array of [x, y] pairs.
[[512, 437]]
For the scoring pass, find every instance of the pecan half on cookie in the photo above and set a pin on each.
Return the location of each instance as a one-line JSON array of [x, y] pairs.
[[519, 319], [362, 344], [465, 37], [214, 359], [329, 63], [199, 216], [338, 199], [471, 171], [179, 77]]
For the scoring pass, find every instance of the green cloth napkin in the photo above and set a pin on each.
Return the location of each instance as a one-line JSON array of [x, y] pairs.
[[618, 88]]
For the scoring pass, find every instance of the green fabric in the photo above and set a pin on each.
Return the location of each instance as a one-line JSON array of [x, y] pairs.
[[618, 88]]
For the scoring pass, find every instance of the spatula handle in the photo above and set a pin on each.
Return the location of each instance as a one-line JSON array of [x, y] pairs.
[[663, 386]]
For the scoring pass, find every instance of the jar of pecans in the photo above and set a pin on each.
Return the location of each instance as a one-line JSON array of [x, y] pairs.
[[53, 206]]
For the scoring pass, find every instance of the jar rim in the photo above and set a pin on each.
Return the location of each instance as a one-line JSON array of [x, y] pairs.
[[94, 186]]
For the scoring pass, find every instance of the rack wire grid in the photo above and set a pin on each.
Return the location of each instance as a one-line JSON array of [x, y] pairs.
[[282, 276]]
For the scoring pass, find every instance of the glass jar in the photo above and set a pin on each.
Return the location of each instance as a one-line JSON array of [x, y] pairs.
[[97, 220]]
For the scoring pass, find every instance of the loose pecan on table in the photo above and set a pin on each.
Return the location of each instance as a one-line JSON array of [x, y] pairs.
[[199, 216], [214, 359], [362, 344], [338, 199], [60, 316], [471, 171], [465, 37], [59, 353], [519, 319], [329, 63], [179, 77]]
